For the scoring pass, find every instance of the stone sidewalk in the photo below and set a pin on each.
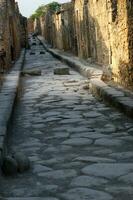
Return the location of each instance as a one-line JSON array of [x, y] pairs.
[[7, 98], [115, 97]]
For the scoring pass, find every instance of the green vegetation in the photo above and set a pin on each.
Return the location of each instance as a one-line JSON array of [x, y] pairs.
[[53, 7]]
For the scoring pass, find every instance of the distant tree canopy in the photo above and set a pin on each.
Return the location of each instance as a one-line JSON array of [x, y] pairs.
[[54, 7]]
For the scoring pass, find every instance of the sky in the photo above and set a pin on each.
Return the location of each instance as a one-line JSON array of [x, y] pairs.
[[27, 7]]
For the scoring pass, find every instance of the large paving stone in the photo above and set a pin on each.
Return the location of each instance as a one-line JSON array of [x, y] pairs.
[[94, 159], [92, 114], [108, 170], [122, 155], [77, 142], [123, 191], [91, 135], [127, 178], [62, 71], [40, 168], [85, 194], [108, 142], [31, 198], [87, 181], [59, 174]]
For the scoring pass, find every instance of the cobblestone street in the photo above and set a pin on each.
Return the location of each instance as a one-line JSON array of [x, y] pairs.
[[79, 148]]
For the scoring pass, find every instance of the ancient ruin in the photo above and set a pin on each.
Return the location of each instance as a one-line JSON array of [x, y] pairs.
[[100, 31], [66, 100], [13, 33]]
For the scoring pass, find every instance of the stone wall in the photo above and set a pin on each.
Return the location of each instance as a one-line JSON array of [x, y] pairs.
[[64, 27], [37, 26], [97, 30], [30, 25], [12, 31], [81, 27], [57, 28]]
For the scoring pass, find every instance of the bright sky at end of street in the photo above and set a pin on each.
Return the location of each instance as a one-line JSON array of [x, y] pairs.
[[27, 7]]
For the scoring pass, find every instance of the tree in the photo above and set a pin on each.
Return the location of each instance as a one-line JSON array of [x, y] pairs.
[[53, 7]]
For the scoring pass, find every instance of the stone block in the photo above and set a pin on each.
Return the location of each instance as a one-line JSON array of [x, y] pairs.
[[32, 72], [61, 71]]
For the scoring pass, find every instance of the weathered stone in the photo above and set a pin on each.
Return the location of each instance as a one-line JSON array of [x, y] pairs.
[[127, 178], [13, 33], [32, 72], [32, 198], [87, 181], [108, 170], [92, 114], [23, 162], [84, 194], [91, 135], [61, 71], [94, 159], [42, 52], [108, 142], [32, 53], [59, 174], [41, 168], [77, 142], [122, 155], [9, 166]]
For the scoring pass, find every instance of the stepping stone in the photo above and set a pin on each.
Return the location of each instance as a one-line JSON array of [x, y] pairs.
[[61, 71], [42, 52], [32, 53], [32, 72]]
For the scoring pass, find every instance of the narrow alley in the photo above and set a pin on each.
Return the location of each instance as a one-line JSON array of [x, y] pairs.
[[79, 148]]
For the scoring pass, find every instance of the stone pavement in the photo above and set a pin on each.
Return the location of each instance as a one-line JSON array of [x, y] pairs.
[[117, 97], [79, 148]]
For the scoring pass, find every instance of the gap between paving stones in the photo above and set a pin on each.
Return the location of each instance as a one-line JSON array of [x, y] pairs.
[[98, 88], [7, 99]]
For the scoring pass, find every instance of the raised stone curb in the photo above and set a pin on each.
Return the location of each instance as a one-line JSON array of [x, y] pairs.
[[113, 96], [7, 98], [99, 88]]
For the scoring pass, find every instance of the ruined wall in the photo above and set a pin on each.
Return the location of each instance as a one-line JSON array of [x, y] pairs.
[[5, 58], [14, 25], [64, 24], [118, 37], [104, 31], [10, 33], [37, 26], [47, 27], [23, 31], [30, 25], [101, 31], [57, 28], [125, 67], [81, 29]]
